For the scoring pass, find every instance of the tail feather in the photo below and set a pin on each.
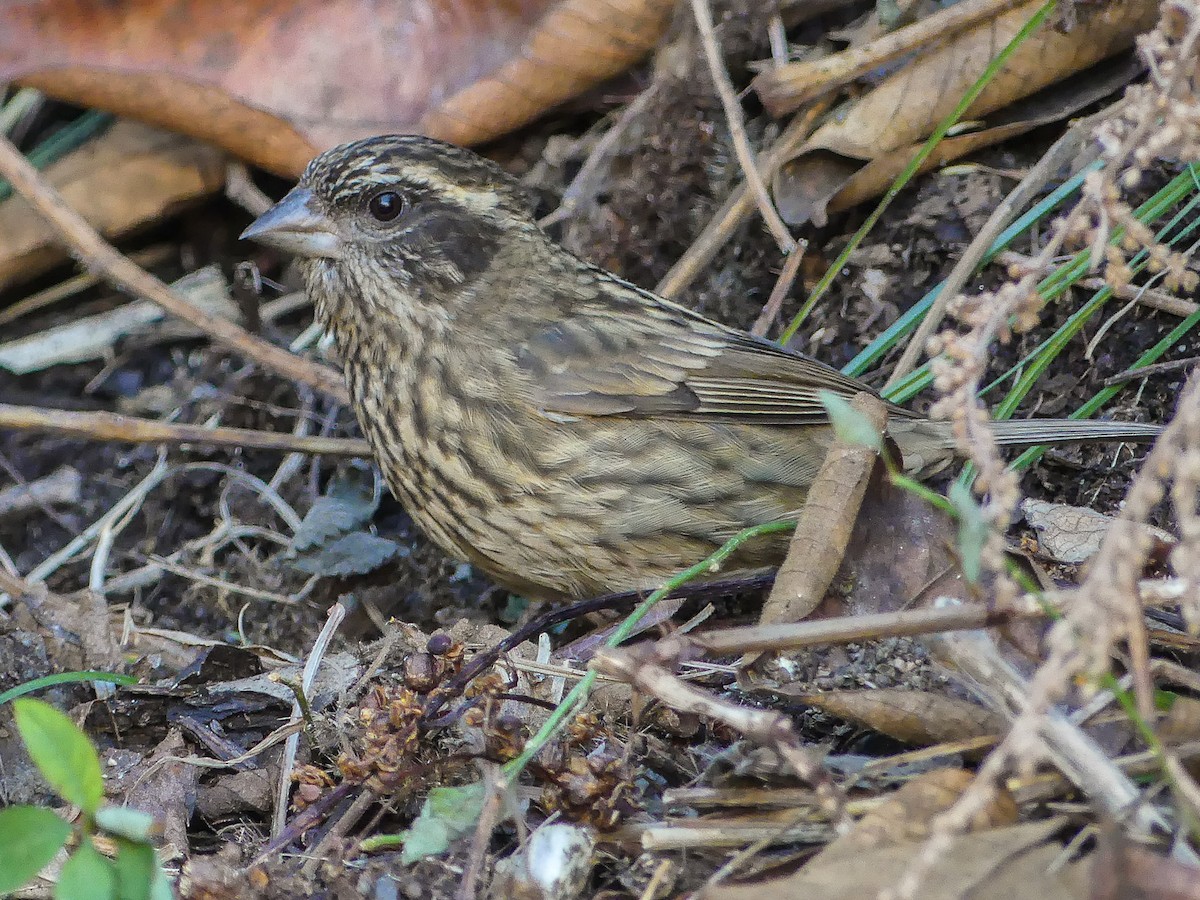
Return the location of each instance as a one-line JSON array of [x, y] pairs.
[[1030, 432]]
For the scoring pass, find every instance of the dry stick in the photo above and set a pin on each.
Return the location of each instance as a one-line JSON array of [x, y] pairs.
[[1154, 298], [825, 523], [783, 286], [150, 256], [584, 183], [484, 827], [1162, 368], [851, 629], [784, 89], [739, 205], [642, 668], [104, 426], [101, 257], [737, 130], [337, 613], [995, 681], [1065, 147]]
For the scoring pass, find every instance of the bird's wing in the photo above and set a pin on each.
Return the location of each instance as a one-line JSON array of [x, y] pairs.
[[630, 353]]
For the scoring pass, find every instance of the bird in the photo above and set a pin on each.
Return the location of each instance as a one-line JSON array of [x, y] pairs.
[[562, 430]]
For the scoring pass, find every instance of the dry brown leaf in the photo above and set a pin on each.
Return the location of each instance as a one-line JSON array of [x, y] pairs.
[[854, 157], [276, 81], [906, 816], [877, 852], [908, 105], [901, 551], [1071, 534], [1123, 869], [826, 523], [914, 717], [999, 864], [162, 785], [1181, 723], [126, 178]]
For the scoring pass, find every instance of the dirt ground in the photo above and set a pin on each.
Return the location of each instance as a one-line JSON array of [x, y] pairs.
[[673, 169]]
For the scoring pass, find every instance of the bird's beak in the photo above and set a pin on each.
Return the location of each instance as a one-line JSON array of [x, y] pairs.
[[294, 224]]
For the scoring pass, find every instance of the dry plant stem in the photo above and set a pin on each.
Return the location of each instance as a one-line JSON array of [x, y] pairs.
[[735, 210], [337, 613], [783, 286], [784, 637], [657, 879], [583, 185], [104, 426], [338, 831], [148, 257], [61, 486], [1147, 371], [166, 565], [1018, 198], [242, 190], [642, 668], [132, 500], [483, 832], [1048, 785], [783, 90], [737, 129], [825, 523], [101, 257], [718, 834], [1154, 298], [1071, 750], [1085, 632]]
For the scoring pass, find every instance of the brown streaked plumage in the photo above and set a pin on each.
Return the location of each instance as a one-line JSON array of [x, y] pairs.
[[567, 432]]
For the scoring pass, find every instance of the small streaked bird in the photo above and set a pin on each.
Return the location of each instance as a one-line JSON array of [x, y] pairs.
[[566, 432]]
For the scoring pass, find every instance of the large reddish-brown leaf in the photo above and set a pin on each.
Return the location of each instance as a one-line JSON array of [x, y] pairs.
[[276, 81]]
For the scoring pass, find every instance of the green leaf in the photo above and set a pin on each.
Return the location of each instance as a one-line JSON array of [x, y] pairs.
[[160, 885], [447, 814], [87, 875], [45, 681], [135, 870], [972, 530], [62, 752], [131, 824], [850, 426], [29, 838]]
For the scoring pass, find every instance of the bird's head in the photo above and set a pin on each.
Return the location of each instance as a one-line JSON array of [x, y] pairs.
[[416, 213]]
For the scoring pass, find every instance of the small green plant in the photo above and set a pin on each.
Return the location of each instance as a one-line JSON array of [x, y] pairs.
[[31, 836]]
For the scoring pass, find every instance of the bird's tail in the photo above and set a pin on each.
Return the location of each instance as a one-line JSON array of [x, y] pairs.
[[928, 446], [1030, 432]]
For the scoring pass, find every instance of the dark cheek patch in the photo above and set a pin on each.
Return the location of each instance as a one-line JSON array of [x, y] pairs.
[[455, 238]]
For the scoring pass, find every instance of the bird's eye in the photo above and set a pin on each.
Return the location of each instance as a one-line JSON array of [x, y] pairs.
[[385, 206]]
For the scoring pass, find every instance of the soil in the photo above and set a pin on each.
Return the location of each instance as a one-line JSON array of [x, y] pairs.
[[673, 168]]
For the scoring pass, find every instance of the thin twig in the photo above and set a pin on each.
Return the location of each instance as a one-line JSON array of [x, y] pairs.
[[783, 89], [1153, 298], [1161, 368], [150, 256], [337, 613], [1017, 199], [739, 205], [783, 286], [104, 426], [488, 816], [851, 629], [583, 185], [101, 257], [737, 130]]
